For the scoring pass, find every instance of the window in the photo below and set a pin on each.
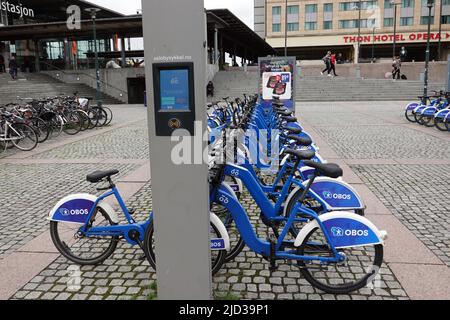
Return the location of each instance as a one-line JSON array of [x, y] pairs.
[[388, 22], [292, 10], [369, 5], [328, 7], [388, 4], [348, 24], [310, 25], [292, 26], [367, 23], [445, 2], [347, 6], [424, 20], [407, 3], [276, 11], [425, 3], [311, 8], [406, 21], [276, 27], [327, 25]]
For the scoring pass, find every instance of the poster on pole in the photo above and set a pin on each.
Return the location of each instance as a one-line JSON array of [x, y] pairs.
[[277, 79]]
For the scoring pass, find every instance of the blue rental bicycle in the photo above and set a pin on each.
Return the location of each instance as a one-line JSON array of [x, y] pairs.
[[86, 230]]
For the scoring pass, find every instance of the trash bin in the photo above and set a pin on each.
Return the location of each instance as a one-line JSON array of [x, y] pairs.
[[145, 98]]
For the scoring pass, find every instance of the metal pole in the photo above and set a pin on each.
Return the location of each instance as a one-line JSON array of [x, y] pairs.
[[285, 28], [98, 95], [440, 31], [395, 30], [359, 31], [373, 42], [427, 54]]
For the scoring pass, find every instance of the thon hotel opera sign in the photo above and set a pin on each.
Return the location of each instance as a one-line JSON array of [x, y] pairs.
[[402, 37], [16, 8]]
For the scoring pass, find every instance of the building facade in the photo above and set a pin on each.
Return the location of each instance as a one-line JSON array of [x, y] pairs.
[[354, 28]]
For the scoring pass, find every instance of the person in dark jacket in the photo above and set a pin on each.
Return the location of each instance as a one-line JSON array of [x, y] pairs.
[[327, 61], [13, 67], [210, 89], [396, 65], [2, 64]]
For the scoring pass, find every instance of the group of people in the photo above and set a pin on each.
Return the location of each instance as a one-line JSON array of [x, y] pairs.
[[13, 66], [330, 64]]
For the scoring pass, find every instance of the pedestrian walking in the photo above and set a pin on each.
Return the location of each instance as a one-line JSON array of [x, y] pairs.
[[2, 64], [396, 65], [13, 67], [327, 61], [332, 65]]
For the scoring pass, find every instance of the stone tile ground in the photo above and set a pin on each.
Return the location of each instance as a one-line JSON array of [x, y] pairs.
[[124, 276], [418, 196]]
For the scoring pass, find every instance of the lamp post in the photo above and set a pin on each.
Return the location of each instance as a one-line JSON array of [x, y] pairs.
[[427, 52], [373, 43], [440, 31], [98, 96], [285, 28], [395, 4]]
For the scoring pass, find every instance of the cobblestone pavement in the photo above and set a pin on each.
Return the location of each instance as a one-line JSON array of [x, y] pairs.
[[130, 142], [418, 196], [123, 276], [29, 192], [353, 130]]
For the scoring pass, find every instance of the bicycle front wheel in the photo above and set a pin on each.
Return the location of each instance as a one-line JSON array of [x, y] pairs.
[[23, 136], [72, 124], [217, 256], [80, 249], [359, 268]]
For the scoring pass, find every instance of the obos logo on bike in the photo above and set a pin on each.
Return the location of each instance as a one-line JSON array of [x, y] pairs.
[[337, 196], [76, 211]]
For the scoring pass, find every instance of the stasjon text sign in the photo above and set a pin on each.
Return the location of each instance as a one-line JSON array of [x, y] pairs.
[[18, 9]]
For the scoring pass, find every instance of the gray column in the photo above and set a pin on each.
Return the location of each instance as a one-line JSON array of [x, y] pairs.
[[180, 192], [122, 45], [448, 72], [37, 61], [216, 46]]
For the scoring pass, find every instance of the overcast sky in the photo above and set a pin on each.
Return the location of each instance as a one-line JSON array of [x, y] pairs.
[[243, 9]]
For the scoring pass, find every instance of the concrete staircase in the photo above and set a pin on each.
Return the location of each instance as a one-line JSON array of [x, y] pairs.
[[38, 85], [236, 83]]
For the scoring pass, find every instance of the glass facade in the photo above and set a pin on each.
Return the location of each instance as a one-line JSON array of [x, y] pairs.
[[310, 25]]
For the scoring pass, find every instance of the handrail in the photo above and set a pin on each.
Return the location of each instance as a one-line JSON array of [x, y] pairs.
[[83, 73]]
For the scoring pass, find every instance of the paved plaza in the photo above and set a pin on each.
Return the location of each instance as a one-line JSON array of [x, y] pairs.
[[400, 169]]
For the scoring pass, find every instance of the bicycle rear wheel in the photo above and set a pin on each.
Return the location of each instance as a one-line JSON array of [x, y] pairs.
[[109, 114], [217, 257], [359, 268], [42, 129], [80, 249], [23, 136], [101, 116], [72, 124]]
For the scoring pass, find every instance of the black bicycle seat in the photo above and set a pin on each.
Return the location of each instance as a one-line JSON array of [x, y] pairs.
[[292, 130], [301, 141], [98, 176], [301, 154], [330, 170], [289, 119]]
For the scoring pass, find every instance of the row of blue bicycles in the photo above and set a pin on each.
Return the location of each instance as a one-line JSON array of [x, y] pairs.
[[434, 111], [258, 152]]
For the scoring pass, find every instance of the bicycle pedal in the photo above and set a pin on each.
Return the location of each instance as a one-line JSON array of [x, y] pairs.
[[132, 211]]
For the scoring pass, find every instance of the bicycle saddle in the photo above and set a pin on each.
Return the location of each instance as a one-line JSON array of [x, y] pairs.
[[278, 103], [293, 130], [98, 176], [289, 119], [301, 154], [330, 170], [301, 141], [286, 113]]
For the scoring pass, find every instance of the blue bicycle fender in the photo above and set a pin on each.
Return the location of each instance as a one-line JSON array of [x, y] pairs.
[[345, 230], [76, 209], [411, 106]]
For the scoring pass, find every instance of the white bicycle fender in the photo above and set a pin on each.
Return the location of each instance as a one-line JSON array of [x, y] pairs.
[[221, 228], [345, 229]]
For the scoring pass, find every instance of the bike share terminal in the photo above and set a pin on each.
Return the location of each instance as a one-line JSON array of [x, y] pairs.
[[176, 72]]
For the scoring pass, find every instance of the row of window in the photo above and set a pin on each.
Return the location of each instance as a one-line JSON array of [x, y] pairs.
[[353, 23], [348, 6]]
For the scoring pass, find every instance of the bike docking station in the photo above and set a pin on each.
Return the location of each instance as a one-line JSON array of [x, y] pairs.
[[176, 72]]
